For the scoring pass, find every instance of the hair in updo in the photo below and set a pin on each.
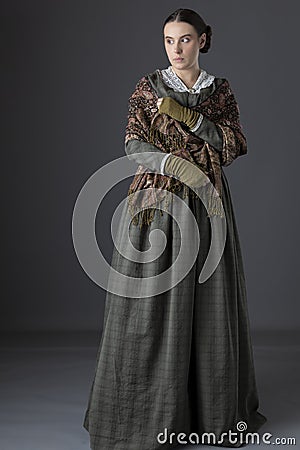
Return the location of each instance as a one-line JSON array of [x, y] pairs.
[[193, 18]]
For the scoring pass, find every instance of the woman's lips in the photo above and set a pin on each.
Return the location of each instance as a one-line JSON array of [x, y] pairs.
[[178, 59]]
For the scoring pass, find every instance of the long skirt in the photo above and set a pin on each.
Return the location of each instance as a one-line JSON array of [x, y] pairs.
[[173, 366]]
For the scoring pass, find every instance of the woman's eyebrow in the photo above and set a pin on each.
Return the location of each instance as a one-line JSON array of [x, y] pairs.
[[188, 34]]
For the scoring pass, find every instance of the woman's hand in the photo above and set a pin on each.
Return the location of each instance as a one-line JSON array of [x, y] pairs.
[[168, 105], [187, 172]]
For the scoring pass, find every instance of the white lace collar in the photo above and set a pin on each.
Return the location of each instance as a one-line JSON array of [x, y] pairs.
[[173, 81]]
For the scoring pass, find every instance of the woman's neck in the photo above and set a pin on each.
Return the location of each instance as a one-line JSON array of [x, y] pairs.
[[188, 77]]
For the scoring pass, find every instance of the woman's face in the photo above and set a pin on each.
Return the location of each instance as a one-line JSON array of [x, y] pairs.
[[182, 41]]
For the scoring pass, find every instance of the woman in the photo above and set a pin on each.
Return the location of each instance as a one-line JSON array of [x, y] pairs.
[[179, 359]]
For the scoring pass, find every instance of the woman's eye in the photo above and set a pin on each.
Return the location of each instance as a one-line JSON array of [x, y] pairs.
[[169, 41]]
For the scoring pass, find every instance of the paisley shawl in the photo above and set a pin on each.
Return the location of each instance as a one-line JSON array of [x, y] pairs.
[[146, 124]]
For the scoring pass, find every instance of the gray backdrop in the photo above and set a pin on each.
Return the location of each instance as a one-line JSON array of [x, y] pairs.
[[68, 68]]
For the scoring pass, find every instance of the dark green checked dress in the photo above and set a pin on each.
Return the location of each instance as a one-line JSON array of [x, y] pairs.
[[180, 361]]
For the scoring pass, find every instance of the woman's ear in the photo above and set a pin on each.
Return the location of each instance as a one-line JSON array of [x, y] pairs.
[[202, 40]]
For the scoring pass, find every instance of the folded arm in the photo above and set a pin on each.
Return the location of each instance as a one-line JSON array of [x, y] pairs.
[[195, 121], [136, 133], [224, 132], [208, 131], [136, 150]]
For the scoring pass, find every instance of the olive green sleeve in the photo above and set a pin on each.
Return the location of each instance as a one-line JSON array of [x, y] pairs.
[[210, 132], [136, 150]]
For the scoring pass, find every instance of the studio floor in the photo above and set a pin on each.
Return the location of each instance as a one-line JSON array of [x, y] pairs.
[[46, 377]]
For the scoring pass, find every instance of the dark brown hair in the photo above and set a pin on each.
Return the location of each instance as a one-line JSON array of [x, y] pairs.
[[193, 18]]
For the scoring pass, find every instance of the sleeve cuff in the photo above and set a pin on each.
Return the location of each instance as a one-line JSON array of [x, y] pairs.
[[198, 123], [163, 161]]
